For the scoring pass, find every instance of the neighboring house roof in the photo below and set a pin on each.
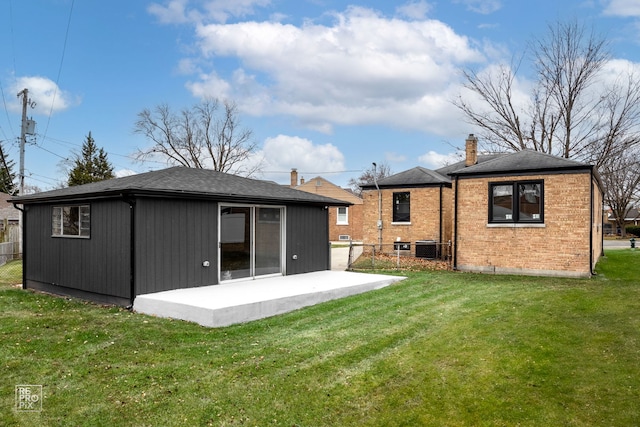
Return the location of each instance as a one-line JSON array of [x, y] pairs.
[[520, 162], [631, 215], [185, 182], [319, 185], [416, 177], [7, 211]]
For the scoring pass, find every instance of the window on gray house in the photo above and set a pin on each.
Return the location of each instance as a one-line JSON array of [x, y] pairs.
[[401, 207], [71, 221]]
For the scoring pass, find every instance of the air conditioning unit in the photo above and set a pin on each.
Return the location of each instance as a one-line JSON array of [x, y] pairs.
[[426, 249]]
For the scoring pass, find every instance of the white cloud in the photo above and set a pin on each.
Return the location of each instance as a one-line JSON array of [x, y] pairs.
[[120, 173], [483, 7], [394, 157], [630, 8], [176, 11], [172, 12], [414, 10], [434, 160], [283, 152], [46, 95], [363, 68], [209, 85]]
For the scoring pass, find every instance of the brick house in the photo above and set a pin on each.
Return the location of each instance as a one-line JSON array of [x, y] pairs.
[[410, 206], [345, 222], [527, 213], [553, 226], [631, 217]]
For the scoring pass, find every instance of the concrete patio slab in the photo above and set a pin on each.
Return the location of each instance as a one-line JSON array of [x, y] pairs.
[[244, 301]]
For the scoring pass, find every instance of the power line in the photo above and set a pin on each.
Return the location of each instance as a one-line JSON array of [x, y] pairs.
[[64, 49], [13, 55], [50, 152]]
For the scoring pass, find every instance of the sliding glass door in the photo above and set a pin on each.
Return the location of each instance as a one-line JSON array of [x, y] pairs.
[[250, 241]]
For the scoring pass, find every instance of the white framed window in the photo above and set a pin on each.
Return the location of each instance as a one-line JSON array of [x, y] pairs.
[[343, 215], [71, 221]]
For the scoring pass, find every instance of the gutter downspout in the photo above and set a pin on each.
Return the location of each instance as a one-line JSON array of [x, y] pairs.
[[375, 180], [440, 211], [132, 251], [601, 218], [455, 227], [24, 245], [591, 225]]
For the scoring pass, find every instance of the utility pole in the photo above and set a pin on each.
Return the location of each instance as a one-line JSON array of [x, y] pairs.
[[23, 136], [26, 128]]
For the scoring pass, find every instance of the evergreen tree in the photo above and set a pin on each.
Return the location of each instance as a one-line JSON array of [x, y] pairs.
[[7, 176], [91, 165]]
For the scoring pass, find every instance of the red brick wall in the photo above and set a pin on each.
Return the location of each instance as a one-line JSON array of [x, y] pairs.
[[323, 187], [560, 247], [425, 216], [353, 228]]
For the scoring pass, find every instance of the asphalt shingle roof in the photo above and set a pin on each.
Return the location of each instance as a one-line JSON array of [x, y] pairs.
[[184, 181], [520, 162], [412, 177]]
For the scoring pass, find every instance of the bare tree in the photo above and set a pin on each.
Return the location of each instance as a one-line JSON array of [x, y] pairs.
[[367, 177], [207, 135], [570, 111], [621, 177]]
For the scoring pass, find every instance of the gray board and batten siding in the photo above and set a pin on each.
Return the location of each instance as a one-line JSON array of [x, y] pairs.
[[97, 268], [152, 232]]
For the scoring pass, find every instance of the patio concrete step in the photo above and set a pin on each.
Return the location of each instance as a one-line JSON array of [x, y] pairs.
[[244, 301]]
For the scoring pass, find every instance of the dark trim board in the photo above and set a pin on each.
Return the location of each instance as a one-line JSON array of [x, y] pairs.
[[76, 293]]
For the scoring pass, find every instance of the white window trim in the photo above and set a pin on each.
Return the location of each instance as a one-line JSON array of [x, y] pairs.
[[346, 215], [57, 225]]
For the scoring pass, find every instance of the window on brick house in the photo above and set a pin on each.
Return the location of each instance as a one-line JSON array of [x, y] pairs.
[[516, 202], [401, 207], [343, 215]]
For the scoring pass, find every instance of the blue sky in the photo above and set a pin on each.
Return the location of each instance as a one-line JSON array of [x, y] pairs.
[[327, 86]]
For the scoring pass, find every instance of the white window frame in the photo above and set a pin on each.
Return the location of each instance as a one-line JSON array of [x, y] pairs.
[[345, 216], [61, 228]]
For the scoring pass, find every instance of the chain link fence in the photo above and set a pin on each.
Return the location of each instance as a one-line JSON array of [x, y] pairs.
[[412, 256], [11, 272]]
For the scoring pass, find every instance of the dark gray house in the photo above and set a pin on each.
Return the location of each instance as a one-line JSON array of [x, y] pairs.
[[174, 228]]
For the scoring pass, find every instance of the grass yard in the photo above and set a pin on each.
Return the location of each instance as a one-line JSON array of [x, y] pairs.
[[440, 349]]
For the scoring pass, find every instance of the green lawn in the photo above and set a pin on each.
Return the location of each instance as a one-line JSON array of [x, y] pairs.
[[440, 348]]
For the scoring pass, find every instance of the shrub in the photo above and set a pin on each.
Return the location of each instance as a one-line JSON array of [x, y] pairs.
[[633, 230]]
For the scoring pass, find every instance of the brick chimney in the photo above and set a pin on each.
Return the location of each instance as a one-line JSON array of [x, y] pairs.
[[471, 149], [294, 177], [301, 180]]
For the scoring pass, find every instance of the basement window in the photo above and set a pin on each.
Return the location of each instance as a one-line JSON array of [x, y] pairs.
[[516, 202], [71, 221]]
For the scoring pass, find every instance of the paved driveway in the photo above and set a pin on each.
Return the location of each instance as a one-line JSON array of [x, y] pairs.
[[619, 244], [340, 257]]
